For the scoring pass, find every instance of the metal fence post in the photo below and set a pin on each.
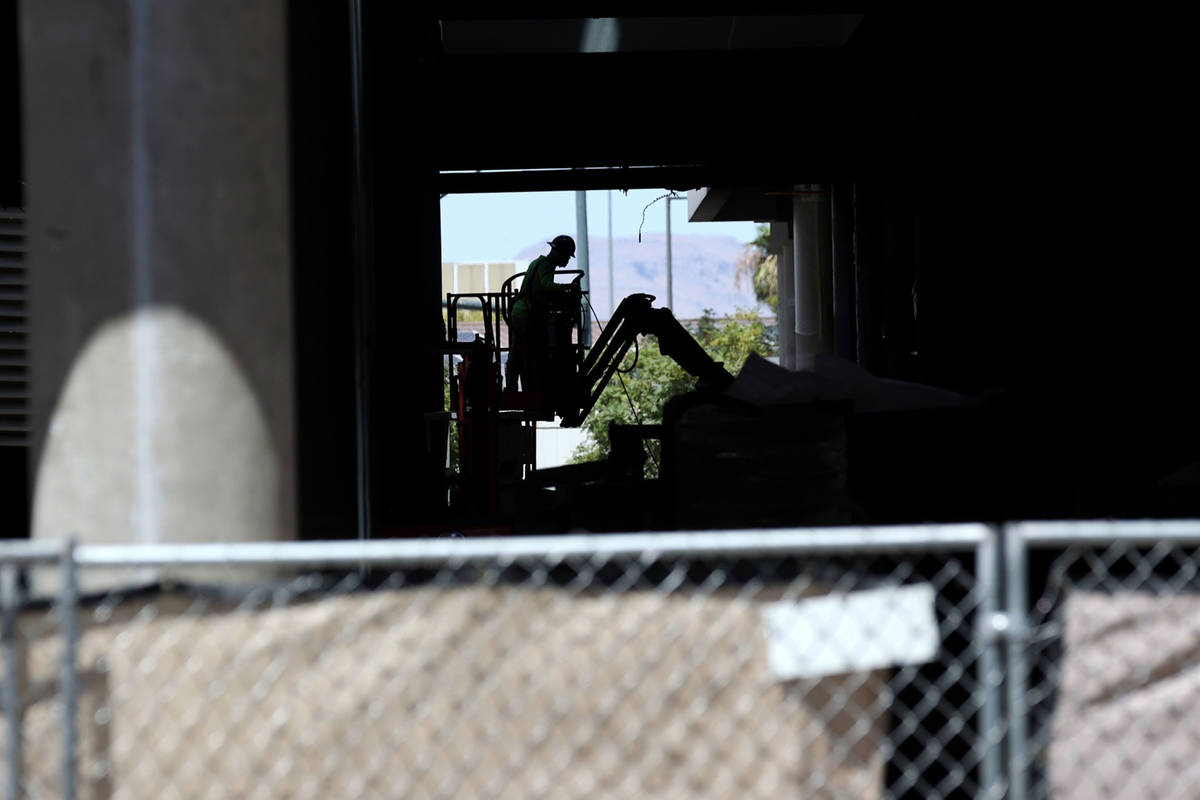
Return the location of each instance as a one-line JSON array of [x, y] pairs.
[[13, 713], [987, 582], [69, 677], [1016, 586]]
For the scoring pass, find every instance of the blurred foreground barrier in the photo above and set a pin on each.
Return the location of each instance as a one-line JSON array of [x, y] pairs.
[[828, 663], [1104, 667]]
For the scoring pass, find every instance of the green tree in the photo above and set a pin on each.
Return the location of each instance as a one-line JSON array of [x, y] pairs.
[[759, 266], [648, 379], [732, 339]]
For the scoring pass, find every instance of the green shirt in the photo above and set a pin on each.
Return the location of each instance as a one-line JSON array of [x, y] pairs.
[[538, 282]]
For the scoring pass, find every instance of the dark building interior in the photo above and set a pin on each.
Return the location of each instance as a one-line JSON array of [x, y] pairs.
[[1007, 163], [14, 510]]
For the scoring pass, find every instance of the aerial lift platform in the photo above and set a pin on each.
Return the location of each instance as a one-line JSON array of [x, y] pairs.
[[496, 421]]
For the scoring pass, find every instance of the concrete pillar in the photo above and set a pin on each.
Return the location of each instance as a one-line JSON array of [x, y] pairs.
[[781, 243], [159, 261], [813, 273]]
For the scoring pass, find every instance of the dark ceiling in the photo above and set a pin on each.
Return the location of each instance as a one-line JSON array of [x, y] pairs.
[[645, 34], [667, 101]]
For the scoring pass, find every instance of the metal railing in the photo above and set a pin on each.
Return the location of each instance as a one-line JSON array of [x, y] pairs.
[[917, 661]]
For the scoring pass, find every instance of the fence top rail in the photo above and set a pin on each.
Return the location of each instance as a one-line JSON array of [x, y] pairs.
[[747, 542], [23, 552], [1099, 533]]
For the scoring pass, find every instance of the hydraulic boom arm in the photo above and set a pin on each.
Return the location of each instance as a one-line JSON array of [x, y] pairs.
[[635, 317]]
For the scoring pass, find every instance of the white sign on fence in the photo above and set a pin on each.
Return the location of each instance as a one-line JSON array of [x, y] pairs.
[[851, 632]]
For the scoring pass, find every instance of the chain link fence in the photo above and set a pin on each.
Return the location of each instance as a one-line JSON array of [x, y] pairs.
[[1107, 661], [824, 663]]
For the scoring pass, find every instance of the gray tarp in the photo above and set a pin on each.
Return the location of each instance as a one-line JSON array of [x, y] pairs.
[[1125, 719], [501, 691]]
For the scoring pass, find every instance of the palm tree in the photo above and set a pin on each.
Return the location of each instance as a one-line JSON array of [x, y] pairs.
[[758, 266]]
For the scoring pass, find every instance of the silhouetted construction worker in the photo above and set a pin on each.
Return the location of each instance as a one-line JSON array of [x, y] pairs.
[[532, 328]]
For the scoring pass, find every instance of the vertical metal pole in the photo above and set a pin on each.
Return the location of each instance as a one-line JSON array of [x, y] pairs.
[[1016, 578], [13, 713], [69, 676], [670, 297], [360, 204], [987, 671], [611, 305], [581, 255]]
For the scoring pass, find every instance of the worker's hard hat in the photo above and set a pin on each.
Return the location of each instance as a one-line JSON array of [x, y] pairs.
[[564, 244]]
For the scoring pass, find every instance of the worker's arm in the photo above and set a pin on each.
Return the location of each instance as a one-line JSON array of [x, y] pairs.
[[537, 276]]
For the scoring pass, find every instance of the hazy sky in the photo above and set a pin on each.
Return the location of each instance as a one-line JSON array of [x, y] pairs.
[[495, 227]]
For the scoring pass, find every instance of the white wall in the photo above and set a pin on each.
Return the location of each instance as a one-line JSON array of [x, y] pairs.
[[555, 445]]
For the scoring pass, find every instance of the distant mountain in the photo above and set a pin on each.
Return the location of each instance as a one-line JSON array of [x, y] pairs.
[[702, 269]]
